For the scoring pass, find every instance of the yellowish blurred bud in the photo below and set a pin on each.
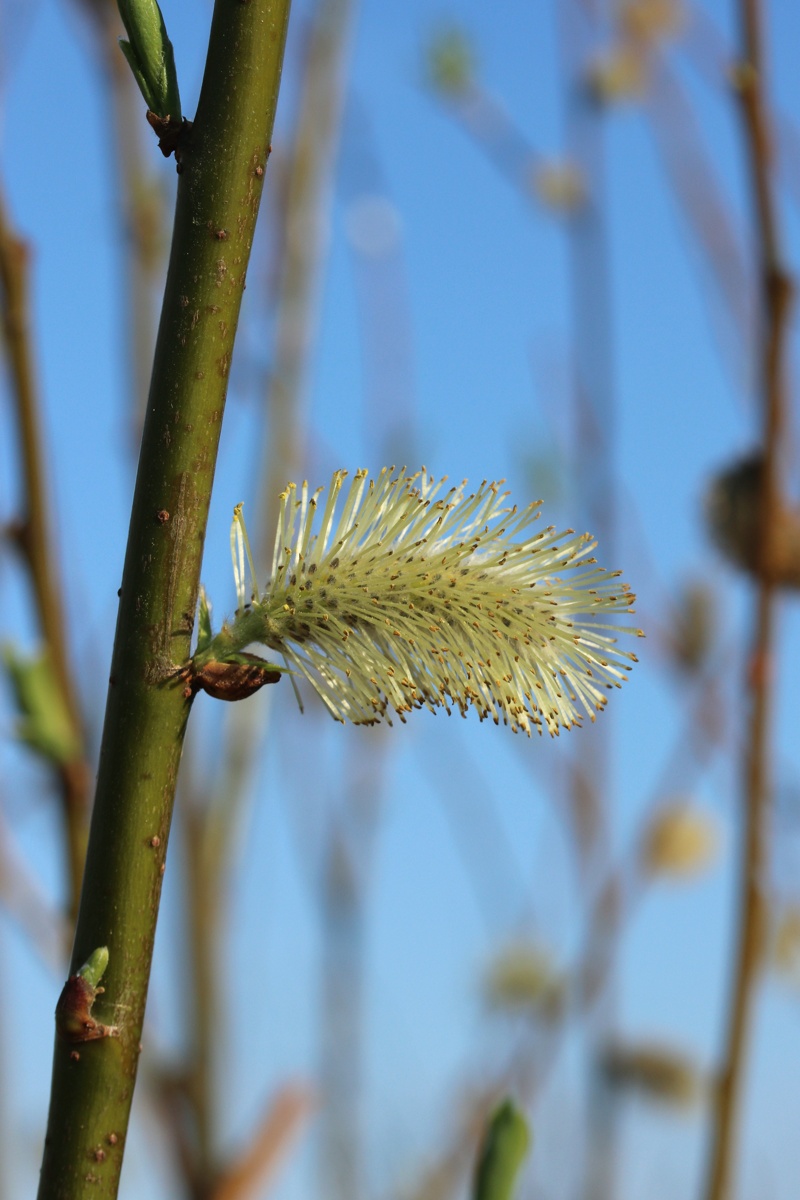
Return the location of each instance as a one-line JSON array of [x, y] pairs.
[[450, 63], [523, 981], [560, 186], [658, 1072], [786, 944], [681, 841], [742, 76], [618, 74], [650, 20], [692, 636]]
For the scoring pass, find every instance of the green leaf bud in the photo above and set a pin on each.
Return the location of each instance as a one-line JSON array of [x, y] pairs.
[[94, 968], [505, 1144], [149, 54], [44, 723]]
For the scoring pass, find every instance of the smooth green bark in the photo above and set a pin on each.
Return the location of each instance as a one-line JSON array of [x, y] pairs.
[[222, 162]]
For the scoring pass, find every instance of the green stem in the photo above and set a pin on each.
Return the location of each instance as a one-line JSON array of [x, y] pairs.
[[247, 628], [223, 156]]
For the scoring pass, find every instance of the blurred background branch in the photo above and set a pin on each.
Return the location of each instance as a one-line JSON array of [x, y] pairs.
[[775, 295], [35, 538]]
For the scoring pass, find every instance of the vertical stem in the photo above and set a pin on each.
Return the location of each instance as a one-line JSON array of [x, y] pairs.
[[347, 855], [35, 537], [776, 292], [143, 217], [342, 988], [209, 824], [305, 219], [223, 157], [142, 209], [203, 902], [591, 314]]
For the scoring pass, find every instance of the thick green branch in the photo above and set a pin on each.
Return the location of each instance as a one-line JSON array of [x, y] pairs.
[[223, 157]]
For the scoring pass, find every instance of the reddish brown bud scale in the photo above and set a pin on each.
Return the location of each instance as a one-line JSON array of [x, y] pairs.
[[169, 133], [74, 1020], [233, 681]]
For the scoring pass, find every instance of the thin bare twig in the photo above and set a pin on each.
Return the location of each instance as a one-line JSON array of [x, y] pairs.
[[141, 205], [308, 187], [776, 293], [279, 1126], [21, 896], [697, 189], [204, 912], [592, 320], [34, 537]]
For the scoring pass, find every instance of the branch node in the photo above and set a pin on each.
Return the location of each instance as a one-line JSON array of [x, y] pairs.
[[170, 133], [74, 1020]]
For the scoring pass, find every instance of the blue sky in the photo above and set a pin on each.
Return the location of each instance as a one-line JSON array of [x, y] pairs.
[[480, 291]]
